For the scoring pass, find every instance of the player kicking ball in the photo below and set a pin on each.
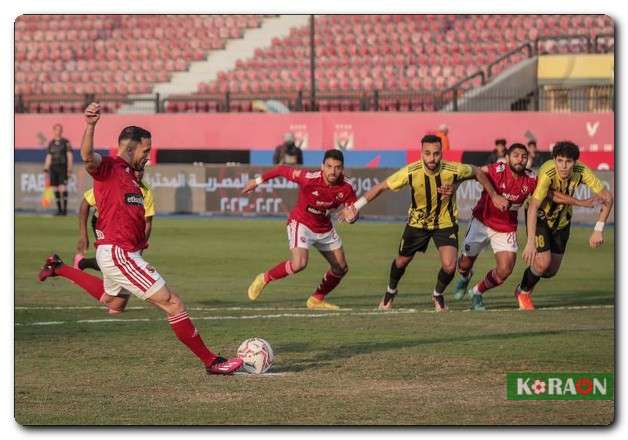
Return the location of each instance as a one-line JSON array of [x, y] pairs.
[[491, 225], [433, 214], [309, 225], [121, 236], [549, 222]]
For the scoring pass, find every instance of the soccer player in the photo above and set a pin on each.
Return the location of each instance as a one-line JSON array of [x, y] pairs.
[[549, 222], [58, 164], [515, 183], [89, 201], [433, 213], [309, 224], [120, 233]]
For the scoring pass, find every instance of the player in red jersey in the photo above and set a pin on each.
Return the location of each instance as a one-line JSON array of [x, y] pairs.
[[309, 224], [121, 236], [514, 182]]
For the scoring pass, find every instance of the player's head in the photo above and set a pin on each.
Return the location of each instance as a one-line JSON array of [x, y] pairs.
[[57, 130], [134, 144], [431, 151], [517, 155], [565, 154], [333, 165], [500, 147]]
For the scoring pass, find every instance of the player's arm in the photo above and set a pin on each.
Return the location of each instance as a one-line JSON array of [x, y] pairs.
[[83, 242], [149, 227], [481, 176], [592, 181], [88, 155], [292, 174], [393, 183], [566, 199]]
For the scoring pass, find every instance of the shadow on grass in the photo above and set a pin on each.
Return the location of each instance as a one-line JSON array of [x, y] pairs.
[[346, 351]]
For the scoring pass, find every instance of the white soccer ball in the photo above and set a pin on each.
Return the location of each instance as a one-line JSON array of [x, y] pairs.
[[257, 355]]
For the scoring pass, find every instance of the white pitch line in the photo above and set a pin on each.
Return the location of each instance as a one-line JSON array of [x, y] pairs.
[[339, 313]]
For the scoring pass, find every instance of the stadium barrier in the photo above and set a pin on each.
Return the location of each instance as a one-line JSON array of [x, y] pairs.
[[215, 190]]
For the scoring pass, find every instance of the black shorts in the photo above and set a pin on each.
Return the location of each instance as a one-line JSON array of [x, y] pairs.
[[548, 240], [416, 239], [58, 175]]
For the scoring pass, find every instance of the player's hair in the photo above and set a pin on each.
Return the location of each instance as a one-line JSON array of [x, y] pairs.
[[57, 125], [531, 142], [334, 154], [566, 149], [431, 139], [500, 141], [133, 133], [516, 146]]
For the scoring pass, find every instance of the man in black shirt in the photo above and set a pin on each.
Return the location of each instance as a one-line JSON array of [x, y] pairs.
[[288, 153], [59, 166], [499, 153]]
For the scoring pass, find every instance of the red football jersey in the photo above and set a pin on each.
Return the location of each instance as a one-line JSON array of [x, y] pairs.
[[316, 198], [515, 189], [120, 205]]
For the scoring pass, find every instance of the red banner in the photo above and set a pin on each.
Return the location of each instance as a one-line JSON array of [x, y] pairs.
[[593, 132]]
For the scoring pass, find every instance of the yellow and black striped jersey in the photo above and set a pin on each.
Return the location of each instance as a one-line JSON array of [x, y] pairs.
[[557, 215], [429, 209]]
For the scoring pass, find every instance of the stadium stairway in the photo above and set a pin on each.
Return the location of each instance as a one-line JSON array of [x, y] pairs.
[[221, 60]]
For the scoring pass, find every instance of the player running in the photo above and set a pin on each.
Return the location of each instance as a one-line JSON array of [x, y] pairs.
[[309, 224], [121, 236], [514, 182], [549, 222], [433, 214], [89, 201]]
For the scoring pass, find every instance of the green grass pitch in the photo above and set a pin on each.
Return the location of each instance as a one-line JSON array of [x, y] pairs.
[[74, 364]]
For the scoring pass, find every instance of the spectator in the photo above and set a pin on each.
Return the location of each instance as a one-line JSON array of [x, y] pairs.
[[499, 153], [288, 152], [59, 166], [534, 158], [442, 132]]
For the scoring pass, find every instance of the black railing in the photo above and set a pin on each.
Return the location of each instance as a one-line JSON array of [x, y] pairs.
[[527, 47]]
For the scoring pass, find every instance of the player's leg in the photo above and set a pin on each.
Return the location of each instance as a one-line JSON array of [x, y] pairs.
[[167, 300], [299, 240], [54, 184], [92, 285], [80, 261], [446, 240], [446, 273], [474, 242], [412, 241], [505, 262], [337, 270], [63, 191]]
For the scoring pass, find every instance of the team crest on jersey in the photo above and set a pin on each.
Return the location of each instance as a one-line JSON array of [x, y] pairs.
[[315, 193], [524, 188], [340, 195], [134, 199], [501, 166]]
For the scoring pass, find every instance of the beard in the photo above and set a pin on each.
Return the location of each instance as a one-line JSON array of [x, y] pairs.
[[517, 169]]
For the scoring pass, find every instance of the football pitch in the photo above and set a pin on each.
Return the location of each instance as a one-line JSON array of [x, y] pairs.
[[77, 365]]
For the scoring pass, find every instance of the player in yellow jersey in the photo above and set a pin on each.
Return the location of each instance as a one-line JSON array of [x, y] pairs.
[[433, 213], [549, 222], [89, 201]]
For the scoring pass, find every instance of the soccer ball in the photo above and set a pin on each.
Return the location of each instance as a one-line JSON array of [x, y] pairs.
[[257, 355]]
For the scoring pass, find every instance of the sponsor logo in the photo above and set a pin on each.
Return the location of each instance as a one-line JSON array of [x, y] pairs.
[[302, 239], [315, 193], [343, 137], [99, 234], [134, 199], [313, 210], [560, 386]]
